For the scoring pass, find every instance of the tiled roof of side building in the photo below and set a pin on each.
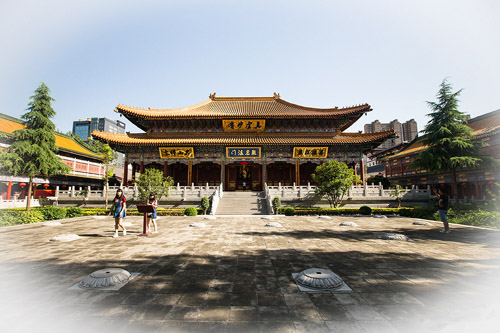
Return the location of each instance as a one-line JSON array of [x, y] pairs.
[[242, 139], [9, 124], [243, 107]]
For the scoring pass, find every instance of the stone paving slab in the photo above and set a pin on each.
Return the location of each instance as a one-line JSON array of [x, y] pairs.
[[234, 275]]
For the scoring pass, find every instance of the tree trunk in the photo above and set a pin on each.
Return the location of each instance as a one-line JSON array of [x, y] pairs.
[[455, 189], [28, 198], [106, 187]]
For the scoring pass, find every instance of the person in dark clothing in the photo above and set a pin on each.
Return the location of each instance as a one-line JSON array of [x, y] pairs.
[[443, 200]]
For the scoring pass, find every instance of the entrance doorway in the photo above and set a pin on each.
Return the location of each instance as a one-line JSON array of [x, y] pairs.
[[244, 176]]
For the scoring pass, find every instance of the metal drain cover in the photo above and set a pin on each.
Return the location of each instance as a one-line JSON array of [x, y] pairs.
[[105, 278], [393, 236], [420, 222], [274, 224], [318, 278]]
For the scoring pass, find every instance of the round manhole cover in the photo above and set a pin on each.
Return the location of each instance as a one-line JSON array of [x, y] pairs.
[[104, 278], [318, 278], [393, 236], [274, 224]]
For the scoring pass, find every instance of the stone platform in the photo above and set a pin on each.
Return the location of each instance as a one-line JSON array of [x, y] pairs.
[[235, 275]]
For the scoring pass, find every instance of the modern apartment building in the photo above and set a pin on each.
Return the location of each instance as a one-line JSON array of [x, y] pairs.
[[83, 128]]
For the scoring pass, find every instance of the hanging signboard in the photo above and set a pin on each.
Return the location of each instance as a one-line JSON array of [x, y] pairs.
[[310, 152], [176, 152], [244, 125], [243, 152]]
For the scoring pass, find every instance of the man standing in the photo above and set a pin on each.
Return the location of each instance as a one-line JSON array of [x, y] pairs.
[[443, 209]]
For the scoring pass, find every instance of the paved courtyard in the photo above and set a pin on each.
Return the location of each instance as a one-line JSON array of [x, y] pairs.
[[234, 275]]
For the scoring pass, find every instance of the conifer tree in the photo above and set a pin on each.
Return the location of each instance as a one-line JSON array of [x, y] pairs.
[[32, 152], [449, 139]]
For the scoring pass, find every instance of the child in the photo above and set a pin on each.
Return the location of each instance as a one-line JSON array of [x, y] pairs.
[[152, 217], [119, 211]]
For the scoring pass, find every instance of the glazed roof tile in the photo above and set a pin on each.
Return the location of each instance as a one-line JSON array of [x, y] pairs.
[[243, 107], [178, 139], [10, 124]]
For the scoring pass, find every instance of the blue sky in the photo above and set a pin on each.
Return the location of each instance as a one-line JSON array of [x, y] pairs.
[[391, 54]]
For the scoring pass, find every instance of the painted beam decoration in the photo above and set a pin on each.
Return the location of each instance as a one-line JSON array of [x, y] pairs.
[[176, 152], [244, 125], [243, 152], [310, 152]]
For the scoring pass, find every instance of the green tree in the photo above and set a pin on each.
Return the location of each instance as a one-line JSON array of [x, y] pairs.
[[334, 180], [375, 180], [33, 150], [152, 181], [397, 192], [449, 139], [205, 204], [109, 156]]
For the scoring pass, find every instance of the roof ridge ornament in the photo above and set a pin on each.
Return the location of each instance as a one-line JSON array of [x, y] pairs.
[[212, 96], [277, 95]]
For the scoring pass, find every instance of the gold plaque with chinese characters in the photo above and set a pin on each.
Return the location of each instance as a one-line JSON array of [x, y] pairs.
[[244, 125], [176, 152], [243, 152], [310, 152]]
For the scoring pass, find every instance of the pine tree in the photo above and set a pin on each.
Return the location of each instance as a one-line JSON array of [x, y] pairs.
[[449, 139], [32, 152]]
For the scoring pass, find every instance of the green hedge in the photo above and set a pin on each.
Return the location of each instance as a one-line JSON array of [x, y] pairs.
[[52, 212], [15, 216], [479, 218], [339, 211]]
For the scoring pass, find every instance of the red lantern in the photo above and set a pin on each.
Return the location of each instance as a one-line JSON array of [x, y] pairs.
[[46, 185], [243, 163], [22, 185]]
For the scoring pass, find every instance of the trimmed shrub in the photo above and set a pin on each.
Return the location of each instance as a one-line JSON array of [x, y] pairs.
[[74, 212], [190, 211], [479, 218], [289, 211], [365, 210], [205, 205], [276, 204], [32, 216], [52, 212]]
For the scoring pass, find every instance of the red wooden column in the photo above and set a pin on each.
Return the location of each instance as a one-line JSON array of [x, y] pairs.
[[165, 169], [362, 171], [134, 169], [9, 190], [125, 173], [190, 173], [142, 167], [297, 172], [478, 192]]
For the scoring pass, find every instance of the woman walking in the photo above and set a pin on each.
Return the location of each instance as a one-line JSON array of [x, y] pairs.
[[152, 217], [119, 211]]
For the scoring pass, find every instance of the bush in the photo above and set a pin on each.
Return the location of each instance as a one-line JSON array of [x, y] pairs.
[[289, 211], [32, 216], [205, 204], [190, 211], [52, 212], [74, 212], [276, 204], [479, 218], [365, 210]]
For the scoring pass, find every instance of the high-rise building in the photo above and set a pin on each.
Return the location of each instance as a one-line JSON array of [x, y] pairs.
[[406, 132], [83, 128], [410, 130]]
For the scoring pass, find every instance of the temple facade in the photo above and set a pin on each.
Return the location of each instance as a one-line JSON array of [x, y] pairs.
[[242, 142]]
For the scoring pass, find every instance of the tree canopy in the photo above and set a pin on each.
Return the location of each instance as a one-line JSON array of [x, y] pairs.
[[334, 180], [449, 139], [152, 181], [33, 149]]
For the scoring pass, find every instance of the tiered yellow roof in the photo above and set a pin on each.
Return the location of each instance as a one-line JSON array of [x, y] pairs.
[[10, 124], [179, 139]]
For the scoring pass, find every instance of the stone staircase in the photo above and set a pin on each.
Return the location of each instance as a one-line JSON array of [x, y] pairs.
[[242, 203]]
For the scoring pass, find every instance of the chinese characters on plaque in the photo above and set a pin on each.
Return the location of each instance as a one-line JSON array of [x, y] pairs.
[[310, 152], [176, 152], [244, 125], [247, 152]]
